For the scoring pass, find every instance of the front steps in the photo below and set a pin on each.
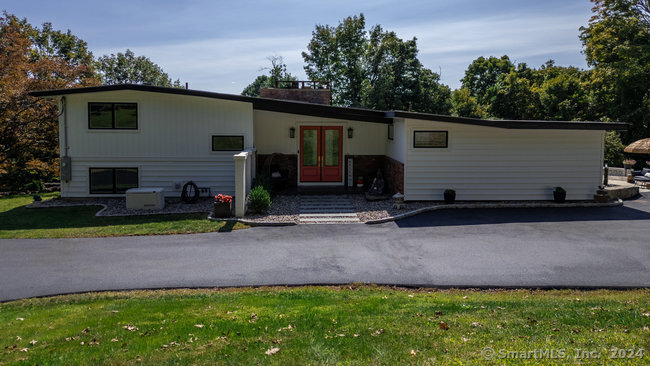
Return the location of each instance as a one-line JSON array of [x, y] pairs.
[[329, 209]]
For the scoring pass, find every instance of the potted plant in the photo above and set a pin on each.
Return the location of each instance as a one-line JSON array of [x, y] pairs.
[[222, 206], [559, 195], [629, 163], [450, 196]]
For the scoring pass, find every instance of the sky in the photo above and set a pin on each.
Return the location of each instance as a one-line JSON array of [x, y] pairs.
[[222, 46]]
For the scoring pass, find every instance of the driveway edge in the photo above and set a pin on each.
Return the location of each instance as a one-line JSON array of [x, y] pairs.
[[616, 203]]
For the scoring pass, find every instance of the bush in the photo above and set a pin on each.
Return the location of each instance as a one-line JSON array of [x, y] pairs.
[[259, 200], [35, 185], [262, 180], [613, 149]]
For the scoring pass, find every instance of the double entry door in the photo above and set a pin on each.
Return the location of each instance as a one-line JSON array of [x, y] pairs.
[[321, 150]]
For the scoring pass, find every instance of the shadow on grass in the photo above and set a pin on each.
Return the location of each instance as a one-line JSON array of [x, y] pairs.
[[21, 218], [460, 217]]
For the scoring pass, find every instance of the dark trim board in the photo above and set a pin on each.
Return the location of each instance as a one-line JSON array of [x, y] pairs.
[[354, 114]]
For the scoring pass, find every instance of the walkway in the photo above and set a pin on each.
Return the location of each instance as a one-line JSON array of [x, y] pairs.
[[327, 209]]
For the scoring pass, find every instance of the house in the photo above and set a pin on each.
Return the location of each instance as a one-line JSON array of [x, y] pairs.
[[116, 137]]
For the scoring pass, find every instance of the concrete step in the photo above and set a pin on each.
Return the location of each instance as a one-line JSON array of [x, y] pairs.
[[328, 215]]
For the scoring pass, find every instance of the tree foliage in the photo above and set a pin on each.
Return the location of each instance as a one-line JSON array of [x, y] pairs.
[[617, 45], [33, 58], [277, 72], [126, 68], [373, 69]]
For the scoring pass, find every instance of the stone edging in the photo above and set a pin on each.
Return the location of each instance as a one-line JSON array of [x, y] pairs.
[[251, 222], [616, 203]]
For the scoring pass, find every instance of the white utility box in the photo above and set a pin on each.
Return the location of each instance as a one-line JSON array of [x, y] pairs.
[[145, 199]]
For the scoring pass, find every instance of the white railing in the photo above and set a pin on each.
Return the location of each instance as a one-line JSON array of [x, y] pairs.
[[244, 174]]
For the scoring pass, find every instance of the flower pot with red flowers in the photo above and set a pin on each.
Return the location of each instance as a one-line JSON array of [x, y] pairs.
[[222, 206]]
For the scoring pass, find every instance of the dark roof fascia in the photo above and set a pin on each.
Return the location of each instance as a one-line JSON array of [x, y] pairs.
[[146, 88], [321, 110], [513, 124], [266, 104]]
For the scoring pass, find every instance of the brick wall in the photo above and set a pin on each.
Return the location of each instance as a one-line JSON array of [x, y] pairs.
[[316, 96]]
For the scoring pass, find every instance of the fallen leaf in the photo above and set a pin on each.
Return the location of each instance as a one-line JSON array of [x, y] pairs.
[[465, 297], [410, 295], [130, 327], [24, 350], [378, 332], [115, 311], [18, 338], [465, 339], [438, 313], [33, 342], [276, 341], [645, 314], [477, 324], [444, 326], [115, 340], [85, 330], [253, 318], [414, 352], [272, 351], [556, 330], [198, 325], [645, 327], [21, 319], [340, 335], [356, 335]]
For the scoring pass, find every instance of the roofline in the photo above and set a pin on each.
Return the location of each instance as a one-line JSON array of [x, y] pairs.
[[513, 124], [349, 113]]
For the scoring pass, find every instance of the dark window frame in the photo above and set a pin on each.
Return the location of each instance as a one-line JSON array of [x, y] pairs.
[[431, 147], [90, 179], [113, 117], [391, 132], [216, 150]]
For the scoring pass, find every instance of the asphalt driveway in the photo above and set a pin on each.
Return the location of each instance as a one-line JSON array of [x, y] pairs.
[[590, 247]]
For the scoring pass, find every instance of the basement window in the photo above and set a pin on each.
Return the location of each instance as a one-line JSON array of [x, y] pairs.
[[227, 143], [430, 139], [112, 180], [113, 116]]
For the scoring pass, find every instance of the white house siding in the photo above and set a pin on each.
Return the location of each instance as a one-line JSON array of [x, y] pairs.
[[487, 163], [171, 145], [396, 148], [272, 133]]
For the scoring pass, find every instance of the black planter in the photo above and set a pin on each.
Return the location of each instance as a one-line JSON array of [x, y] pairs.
[[450, 197], [222, 209], [559, 197]]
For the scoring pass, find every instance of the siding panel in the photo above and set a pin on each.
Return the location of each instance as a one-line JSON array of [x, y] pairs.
[[484, 163]]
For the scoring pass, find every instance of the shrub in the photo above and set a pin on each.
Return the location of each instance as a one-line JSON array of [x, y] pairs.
[[259, 200], [262, 180], [35, 185], [613, 149]]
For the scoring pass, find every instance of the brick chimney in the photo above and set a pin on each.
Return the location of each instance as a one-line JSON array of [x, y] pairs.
[[304, 91]]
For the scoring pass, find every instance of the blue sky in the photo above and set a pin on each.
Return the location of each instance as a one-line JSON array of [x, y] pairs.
[[222, 45]]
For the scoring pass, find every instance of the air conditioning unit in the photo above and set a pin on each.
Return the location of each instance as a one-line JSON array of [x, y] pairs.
[[145, 199]]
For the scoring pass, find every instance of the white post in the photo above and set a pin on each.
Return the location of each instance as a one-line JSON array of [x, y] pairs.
[[240, 183]]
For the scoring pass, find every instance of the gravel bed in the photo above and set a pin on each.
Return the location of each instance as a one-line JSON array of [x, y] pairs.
[[117, 206], [284, 208], [375, 210]]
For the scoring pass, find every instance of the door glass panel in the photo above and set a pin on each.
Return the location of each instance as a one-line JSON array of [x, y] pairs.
[[332, 147], [309, 147]]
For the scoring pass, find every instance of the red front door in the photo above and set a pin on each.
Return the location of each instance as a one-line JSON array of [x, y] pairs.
[[321, 153]]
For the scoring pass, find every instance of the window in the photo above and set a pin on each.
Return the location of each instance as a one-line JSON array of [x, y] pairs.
[[227, 143], [391, 131], [112, 180], [116, 116], [430, 139]]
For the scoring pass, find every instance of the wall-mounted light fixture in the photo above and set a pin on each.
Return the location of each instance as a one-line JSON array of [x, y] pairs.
[[350, 130], [292, 132]]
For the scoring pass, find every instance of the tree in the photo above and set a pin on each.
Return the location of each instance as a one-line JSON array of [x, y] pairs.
[[617, 45], [277, 72], [483, 74], [465, 105], [337, 54], [126, 68], [34, 59], [373, 69]]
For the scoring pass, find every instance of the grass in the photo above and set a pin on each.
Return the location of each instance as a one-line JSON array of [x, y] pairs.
[[324, 325], [16, 221]]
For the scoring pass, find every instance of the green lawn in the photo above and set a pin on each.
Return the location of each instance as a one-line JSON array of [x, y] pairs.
[[16, 221], [323, 325]]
